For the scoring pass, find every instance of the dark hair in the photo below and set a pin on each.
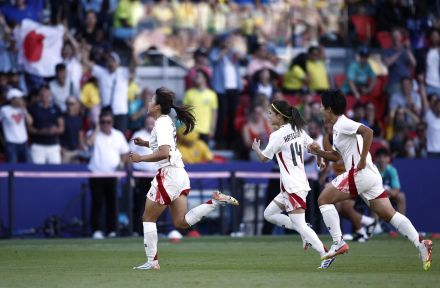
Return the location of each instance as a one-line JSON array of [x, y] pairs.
[[290, 113], [105, 112], [59, 67], [164, 98], [382, 152], [203, 72], [334, 99], [312, 49], [300, 60]]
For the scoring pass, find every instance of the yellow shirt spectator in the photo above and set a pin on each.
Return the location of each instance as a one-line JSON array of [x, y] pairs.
[[294, 78], [133, 90], [131, 11], [318, 75], [193, 149], [205, 103], [90, 95]]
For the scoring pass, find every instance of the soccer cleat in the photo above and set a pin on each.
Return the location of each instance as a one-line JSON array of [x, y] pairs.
[[154, 265], [370, 229], [425, 251], [326, 263], [337, 248], [223, 199]]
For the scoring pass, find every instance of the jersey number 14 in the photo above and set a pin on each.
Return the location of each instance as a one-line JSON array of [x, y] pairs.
[[296, 151]]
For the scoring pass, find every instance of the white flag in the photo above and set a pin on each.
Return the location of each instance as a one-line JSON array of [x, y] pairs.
[[39, 47]]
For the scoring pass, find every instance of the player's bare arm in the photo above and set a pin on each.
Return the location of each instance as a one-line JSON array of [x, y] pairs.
[[326, 155], [256, 148], [367, 136], [162, 153], [140, 142]]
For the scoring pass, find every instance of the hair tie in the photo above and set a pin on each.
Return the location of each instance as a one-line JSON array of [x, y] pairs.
[[280, 112]]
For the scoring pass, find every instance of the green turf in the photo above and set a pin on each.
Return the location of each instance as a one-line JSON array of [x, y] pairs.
[[211, 262]]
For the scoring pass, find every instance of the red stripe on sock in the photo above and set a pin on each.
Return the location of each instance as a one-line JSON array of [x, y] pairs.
[[209, 202]]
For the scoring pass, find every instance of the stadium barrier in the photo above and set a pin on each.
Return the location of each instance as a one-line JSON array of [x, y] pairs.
[[30, 197]]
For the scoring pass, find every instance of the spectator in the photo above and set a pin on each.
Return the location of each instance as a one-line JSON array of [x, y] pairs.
[[14, 118], [432, 119], [91, 100], [109, 148], [260, 60], [205, 103], [72, 61], [257, 127], [406, 97], [126, 18], [262, 84], [17, 13], [315, 68], [61, 87], [420, 140], [138, 109], [201, 62], [296, 79], [360, 77], [46, 128], [429, 64], [226, 82], [89, 31], [72, 140], [399, 59], [390, 179], [359, 114], [193, 150], [113, 87], [142, 184]]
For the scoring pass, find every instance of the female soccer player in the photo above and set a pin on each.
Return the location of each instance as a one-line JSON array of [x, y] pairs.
[[351, 143], [288, 143], [171, 185]]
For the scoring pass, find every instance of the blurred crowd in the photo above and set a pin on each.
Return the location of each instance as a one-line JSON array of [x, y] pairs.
[[234, 70]]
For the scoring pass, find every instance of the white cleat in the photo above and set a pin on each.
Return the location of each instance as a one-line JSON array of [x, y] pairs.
[[337, 248], [425, 252], [154, 265], [223, 199], [326, 263]]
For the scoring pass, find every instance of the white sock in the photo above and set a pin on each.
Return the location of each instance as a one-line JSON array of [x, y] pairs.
[[362, 231], [197, 213], [366, 220], [331, 220], [307, 233], [272, 213], [405, 227], [150, 240]]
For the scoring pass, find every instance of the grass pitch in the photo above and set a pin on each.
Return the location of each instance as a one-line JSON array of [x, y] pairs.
[[211, 262]]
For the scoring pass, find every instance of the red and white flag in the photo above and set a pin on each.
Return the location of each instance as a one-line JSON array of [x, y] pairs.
[[39, 47]]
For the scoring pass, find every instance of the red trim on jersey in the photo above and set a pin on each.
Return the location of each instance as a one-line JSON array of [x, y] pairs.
[[185, 192], [351, 184], [280, 154], [298, 200], [383, 195], [161, 188]]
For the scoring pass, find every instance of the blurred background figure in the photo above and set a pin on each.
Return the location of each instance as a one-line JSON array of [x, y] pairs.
[[192, 148], [72, 140]]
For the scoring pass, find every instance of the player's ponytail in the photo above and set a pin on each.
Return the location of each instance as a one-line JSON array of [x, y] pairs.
[[164, 98], [289, 113]]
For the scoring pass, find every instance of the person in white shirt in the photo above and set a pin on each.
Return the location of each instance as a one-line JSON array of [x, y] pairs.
[[113, 86], [109, 149], [171, 185], [61, 87], [432, 62], [351, 143], [14, 118], [288, 144], [432, 119], [143, 183]]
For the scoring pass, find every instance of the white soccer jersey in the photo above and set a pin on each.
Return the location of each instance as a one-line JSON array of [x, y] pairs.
[[289, 145], [347, 143], [164, 133]]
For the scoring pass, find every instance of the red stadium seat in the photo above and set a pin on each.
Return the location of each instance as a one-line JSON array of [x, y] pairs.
[[339, 80], [365, 27], [385, 40]]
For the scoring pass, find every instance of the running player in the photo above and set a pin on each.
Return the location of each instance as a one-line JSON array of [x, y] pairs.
[[288, 143], [171, 185], [351, 143]]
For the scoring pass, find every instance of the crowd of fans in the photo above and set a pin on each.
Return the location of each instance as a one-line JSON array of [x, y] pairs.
[[230, 49]]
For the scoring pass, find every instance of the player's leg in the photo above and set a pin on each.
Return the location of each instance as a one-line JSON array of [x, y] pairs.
[[360, 222], [273, 213], [152, 212], [384, 209]]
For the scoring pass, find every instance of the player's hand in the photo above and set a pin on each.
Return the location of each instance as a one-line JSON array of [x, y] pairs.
[[313, 148], [256, 144], [134, 157], [361, 165], [322, 165]]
